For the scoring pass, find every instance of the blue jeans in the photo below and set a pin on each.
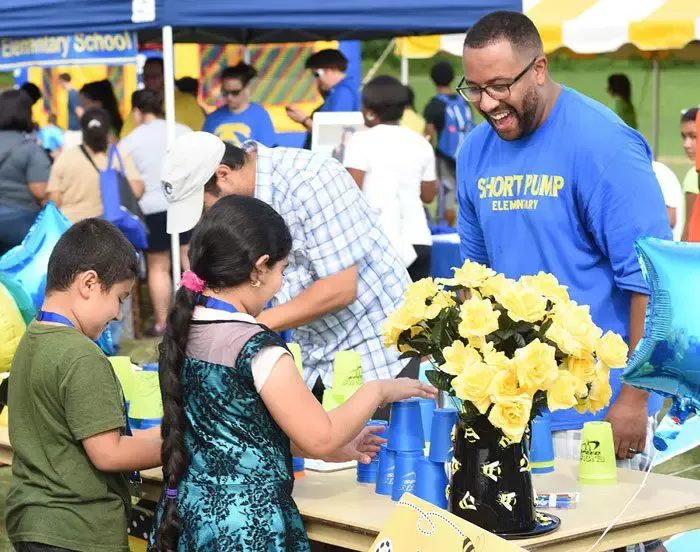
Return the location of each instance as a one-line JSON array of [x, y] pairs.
[[15, 222]]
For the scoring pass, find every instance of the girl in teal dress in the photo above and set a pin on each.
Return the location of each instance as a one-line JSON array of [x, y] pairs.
[[235, 406]]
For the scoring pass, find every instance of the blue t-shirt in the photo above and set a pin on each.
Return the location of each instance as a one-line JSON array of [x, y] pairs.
[[73, 104], [51, 137], [570, 199], [252, 124], [342, 97]]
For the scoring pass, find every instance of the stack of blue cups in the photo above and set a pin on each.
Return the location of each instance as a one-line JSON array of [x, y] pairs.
[[431, 477], [398, 461], [541, 446], [367, 473]]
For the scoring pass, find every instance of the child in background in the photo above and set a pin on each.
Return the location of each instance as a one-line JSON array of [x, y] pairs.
[[67, 421], [690, 182], [236, 408], [50, 137]]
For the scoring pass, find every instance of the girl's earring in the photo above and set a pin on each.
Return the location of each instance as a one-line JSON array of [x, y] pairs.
[[255, 284]]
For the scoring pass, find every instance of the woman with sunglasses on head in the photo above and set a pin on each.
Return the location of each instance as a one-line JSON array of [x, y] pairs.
[[239, 119]]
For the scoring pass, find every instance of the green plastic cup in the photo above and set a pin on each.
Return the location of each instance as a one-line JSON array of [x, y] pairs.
[[347, 370], [597, 463], [125, 374]]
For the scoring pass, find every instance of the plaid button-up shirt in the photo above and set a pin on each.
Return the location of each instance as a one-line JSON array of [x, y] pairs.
[[333, 228]]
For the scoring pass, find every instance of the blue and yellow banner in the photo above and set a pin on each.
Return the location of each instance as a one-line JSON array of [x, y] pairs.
[[76, 49]]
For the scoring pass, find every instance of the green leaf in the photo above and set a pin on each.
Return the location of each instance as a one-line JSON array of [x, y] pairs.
[[438, 356], [409, 354], [438, 330], [440, 380]]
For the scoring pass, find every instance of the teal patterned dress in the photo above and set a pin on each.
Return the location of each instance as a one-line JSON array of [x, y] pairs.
[[236, 494]]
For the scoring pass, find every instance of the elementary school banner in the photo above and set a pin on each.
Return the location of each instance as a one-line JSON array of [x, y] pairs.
[[76, 49]]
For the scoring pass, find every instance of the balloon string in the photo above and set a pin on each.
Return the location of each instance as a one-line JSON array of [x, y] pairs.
[[631, 500]]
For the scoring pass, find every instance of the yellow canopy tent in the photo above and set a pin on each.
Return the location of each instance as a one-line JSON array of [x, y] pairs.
[[652, 29]]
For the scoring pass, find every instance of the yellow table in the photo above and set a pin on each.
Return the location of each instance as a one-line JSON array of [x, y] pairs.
[[339, 511]]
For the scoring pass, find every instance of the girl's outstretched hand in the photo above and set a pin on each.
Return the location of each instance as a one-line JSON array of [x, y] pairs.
[[398, 389], [362, 448]]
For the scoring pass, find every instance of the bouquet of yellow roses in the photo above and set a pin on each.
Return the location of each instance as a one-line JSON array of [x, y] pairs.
[[506, 348]]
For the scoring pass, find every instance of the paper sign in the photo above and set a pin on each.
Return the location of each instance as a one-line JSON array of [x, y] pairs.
[[418, 526], [347, 370]]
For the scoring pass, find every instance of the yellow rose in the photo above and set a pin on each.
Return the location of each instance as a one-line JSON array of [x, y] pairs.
[[511, 415], [600, 394], [573, 329], [497, 359], [441, 301], [547, 285], [422, 289], [536, 366], [523, 303], [612, 350], [582, 368], [565, 391], [473, 385], [392, 328], [495, 285], [458, 357], [478, 318], [470, 275], [410, 313], [504, 384]]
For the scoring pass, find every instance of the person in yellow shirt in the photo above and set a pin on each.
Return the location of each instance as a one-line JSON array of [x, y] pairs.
[[188, 112], [410, 118]]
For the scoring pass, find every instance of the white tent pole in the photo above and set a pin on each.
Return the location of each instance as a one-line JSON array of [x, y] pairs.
[[655, 105], [246, 54], [169, 84], [404, 69], [377, 64]]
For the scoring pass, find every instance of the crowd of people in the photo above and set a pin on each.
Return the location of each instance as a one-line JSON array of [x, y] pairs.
[[336, 245]]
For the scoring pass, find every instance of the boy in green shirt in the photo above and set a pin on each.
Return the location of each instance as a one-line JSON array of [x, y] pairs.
[[71, 459]]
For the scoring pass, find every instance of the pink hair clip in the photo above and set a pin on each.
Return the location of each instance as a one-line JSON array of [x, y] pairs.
[[192, 282]]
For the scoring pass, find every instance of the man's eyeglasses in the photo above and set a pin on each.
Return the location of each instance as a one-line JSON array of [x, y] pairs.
[[317, 73], [225, 92], [473, 94]]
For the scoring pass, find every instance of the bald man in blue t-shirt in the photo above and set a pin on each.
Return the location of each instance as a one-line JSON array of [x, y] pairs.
[[553, 181]]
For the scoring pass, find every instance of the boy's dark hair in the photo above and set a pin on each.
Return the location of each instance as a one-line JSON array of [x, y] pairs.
[[91, 244], [689, 115], [242, 72], [65, 77], [224, 248], [619, 84], [386, 97], [328, 59], [442, 73], [188, 85], [15, 111], [515, 27]]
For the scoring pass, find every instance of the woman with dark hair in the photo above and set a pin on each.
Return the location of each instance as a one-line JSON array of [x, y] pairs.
[[24, 170], [147, 145], [74, 184], [395, 167], [235, 408], [101, 94], [240, 119], [620, 88]]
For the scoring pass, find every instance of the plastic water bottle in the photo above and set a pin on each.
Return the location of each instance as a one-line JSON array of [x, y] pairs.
[[670, 425]]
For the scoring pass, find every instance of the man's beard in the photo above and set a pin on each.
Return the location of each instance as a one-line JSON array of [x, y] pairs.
[[525, 117]]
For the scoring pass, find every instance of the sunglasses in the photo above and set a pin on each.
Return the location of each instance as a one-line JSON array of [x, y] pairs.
[[317, 73], [225, 92]]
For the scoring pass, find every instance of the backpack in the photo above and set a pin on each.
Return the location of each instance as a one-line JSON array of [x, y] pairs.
[[458, 123], [119, 203]]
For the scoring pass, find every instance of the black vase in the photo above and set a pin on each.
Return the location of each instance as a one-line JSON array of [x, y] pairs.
[[491, 484]]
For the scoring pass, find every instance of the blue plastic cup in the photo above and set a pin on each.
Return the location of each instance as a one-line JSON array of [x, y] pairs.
[[385, 471], [147, 423], [431, 481], [384, 424], [297, 464], [405, 426], [427, 406], [405, 472], [367, 473], [150, 367], [444, 420], [541, 448]]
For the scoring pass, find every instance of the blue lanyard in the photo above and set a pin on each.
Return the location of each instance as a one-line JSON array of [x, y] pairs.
[[47, 316], [218, 304]]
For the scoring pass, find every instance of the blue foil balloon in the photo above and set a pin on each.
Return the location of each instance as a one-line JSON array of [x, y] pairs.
[[667, 359], [28, 262]]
